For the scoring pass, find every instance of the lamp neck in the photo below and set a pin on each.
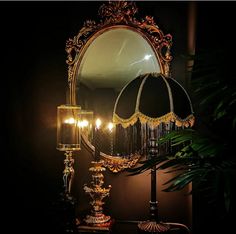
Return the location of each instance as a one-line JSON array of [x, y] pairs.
[[152, 152]]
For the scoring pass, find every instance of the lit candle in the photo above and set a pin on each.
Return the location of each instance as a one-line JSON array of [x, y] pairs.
[[68, 132], [83, 125], [110, 127], [97, 139]]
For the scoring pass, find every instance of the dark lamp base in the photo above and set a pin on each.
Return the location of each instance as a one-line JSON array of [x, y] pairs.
[[153, 226]]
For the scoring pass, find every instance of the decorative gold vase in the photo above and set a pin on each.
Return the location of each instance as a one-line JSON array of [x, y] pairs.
[[97, 194]]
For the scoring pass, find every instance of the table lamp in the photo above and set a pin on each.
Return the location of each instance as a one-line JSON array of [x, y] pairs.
[[150, 106]]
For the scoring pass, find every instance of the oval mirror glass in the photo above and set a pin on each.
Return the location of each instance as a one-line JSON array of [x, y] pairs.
[[111, 59]]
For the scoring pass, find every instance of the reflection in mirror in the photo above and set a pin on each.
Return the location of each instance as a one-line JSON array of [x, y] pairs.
[[86, 124], [113, 58]]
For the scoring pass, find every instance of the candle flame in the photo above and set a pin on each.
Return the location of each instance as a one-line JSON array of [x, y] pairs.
[[98, 123], [83, 123], [70, 121], [110, 126]]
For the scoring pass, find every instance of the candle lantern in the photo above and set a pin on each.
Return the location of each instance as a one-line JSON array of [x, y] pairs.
[[68, 128], [68, 139]]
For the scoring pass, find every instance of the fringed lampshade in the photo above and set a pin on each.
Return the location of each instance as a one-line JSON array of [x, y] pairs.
[[153, 99], [147, 108], [150, 102]]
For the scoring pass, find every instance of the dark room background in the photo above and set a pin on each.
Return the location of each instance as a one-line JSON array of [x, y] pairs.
[[34, 83]]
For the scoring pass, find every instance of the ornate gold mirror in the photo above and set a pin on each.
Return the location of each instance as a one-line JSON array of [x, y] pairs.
[[106, 56]]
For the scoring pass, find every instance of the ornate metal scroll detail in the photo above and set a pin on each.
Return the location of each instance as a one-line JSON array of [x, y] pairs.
[[162, 43], [116, 164], [74, 46], [97, 193], [119, 13], [68, 173]]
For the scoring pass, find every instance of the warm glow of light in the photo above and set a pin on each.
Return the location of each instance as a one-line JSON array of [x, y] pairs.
[[83, 123], [98, 123], [70, 121], [110, 126], [147, 56]]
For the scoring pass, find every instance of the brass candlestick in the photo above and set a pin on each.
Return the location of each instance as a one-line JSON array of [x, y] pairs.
[[97, 194], [68, 173]]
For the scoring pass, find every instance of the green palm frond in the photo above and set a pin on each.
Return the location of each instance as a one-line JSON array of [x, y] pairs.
[[196, 157]]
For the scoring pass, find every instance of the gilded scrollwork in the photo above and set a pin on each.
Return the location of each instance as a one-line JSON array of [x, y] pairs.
[[117, 164], [116, 12]]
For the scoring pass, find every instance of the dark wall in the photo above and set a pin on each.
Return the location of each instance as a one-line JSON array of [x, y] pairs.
[[215, 45], [34, 75]]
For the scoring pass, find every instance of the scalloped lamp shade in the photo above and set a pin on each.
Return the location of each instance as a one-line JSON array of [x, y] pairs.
[[148, 107], [153, 99]]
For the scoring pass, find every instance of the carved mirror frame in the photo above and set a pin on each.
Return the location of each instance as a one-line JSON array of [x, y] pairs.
[[116, 14]]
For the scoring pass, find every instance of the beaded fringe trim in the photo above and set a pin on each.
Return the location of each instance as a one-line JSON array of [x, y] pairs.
[[154, 122]]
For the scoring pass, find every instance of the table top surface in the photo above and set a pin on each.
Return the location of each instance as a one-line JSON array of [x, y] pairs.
[[121, 227]]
